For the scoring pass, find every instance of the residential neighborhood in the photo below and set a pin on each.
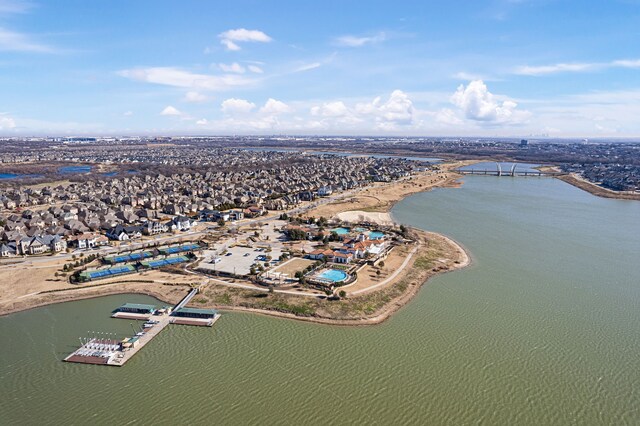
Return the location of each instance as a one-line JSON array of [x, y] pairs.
[[233, 185]]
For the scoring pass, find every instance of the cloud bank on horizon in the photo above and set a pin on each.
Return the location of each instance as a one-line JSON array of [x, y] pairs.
[[500, 68]]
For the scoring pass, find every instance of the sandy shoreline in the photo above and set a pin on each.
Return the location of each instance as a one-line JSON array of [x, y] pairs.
[[377, 200], [172, 293], [596, 190]]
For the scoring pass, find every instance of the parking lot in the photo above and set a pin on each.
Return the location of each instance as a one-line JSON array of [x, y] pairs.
[[237, 260]]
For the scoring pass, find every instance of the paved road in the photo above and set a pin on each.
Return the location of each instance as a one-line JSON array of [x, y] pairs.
[[103, 251]]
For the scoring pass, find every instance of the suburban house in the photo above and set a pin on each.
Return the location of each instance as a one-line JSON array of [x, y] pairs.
[[325, 191], [181, 223], [207, 215], [7, 250], [41, 244], [154, 227], [87, 240], [124, 233]]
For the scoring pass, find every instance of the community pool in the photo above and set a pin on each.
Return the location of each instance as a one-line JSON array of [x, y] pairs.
[[376, 235], [340, 231], [334, 275]]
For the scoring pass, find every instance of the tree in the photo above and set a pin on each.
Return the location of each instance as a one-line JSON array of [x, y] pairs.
[[252, 270], [221, 222], [342, 294], [381, 264], [378, 272]]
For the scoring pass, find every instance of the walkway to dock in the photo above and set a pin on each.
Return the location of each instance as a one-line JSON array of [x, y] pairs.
[[149, 334], [186, 299]]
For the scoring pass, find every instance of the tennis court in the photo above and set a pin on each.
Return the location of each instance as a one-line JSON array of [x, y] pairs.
[[179, 249], [128, 257], [159, 263], [108, 272]]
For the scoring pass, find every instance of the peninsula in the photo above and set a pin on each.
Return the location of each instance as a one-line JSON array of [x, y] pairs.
[[299, 229]]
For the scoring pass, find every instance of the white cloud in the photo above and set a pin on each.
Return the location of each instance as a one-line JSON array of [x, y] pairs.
[[179, 78], [195, 97], [330, 109], [353, 41], [555, 68], [448, 117], [230, 45], [6, 123], [256, 69], [478, 104], [274, 107], [462, 75], [128, 113], [171, 111], [237, 106], [202, 122], [575, 67], [627, 63], [11, 41], [234, 67], [307, 67], [231, 38], [397, 110]]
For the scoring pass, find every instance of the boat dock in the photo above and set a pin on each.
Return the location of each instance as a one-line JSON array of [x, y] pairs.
[[114, 352]]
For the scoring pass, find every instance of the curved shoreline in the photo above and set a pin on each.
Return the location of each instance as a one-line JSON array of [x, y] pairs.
[[596, 190], [385, 313], [415, 277]]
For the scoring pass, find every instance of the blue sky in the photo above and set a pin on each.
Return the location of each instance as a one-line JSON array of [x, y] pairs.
[[497, 67]]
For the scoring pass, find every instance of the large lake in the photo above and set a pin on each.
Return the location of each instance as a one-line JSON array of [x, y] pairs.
[[542, 329]]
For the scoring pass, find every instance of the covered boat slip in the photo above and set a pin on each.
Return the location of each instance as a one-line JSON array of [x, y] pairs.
[[194, 316], [134, 311]]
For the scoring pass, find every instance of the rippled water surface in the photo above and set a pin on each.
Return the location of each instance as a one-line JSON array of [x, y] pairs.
[[542, 329]]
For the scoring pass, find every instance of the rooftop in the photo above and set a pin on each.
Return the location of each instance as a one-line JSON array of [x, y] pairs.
[[138, 306], [197, 311]]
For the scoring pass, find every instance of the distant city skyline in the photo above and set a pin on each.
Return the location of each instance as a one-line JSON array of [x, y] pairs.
[[510, 68]]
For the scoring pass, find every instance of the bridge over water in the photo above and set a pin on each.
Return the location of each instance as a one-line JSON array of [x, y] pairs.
[[499, 171]]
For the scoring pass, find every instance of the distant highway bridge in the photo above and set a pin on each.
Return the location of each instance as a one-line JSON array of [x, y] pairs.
[[498, 171]]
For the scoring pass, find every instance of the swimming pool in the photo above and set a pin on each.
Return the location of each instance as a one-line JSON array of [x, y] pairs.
[[340, 231], [334, 275], [376, 235]]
